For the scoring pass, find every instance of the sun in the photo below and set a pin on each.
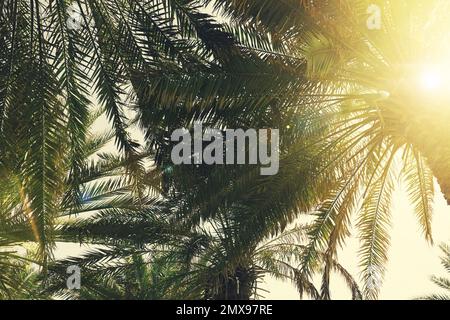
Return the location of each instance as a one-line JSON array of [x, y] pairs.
[[431, 80], [432, 85]]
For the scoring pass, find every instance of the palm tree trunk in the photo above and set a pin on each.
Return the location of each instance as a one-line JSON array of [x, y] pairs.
[[238, 286]]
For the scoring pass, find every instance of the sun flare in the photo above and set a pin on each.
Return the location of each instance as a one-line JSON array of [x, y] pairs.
[[431, 80]]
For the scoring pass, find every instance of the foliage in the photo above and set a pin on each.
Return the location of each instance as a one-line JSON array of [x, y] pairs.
[[348, 126]]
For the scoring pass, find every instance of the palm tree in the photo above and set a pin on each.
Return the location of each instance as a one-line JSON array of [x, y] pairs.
[[103, 185], [167, 57], [363, 83], [328, 90], [443, 283], [175, 63], [132, 279], [178, 263]]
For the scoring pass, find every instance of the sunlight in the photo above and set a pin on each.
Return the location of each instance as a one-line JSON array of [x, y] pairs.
[[432, 63], [431, 80]]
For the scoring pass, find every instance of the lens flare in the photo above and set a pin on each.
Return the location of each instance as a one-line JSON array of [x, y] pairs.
[[431, 80]]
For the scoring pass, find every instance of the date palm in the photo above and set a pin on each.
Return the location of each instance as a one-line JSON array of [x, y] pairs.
[[176, 263], [103, 185], [329, 90], [174, 62], [167, 58], [206, 239], [379, 121], [49, 67]]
